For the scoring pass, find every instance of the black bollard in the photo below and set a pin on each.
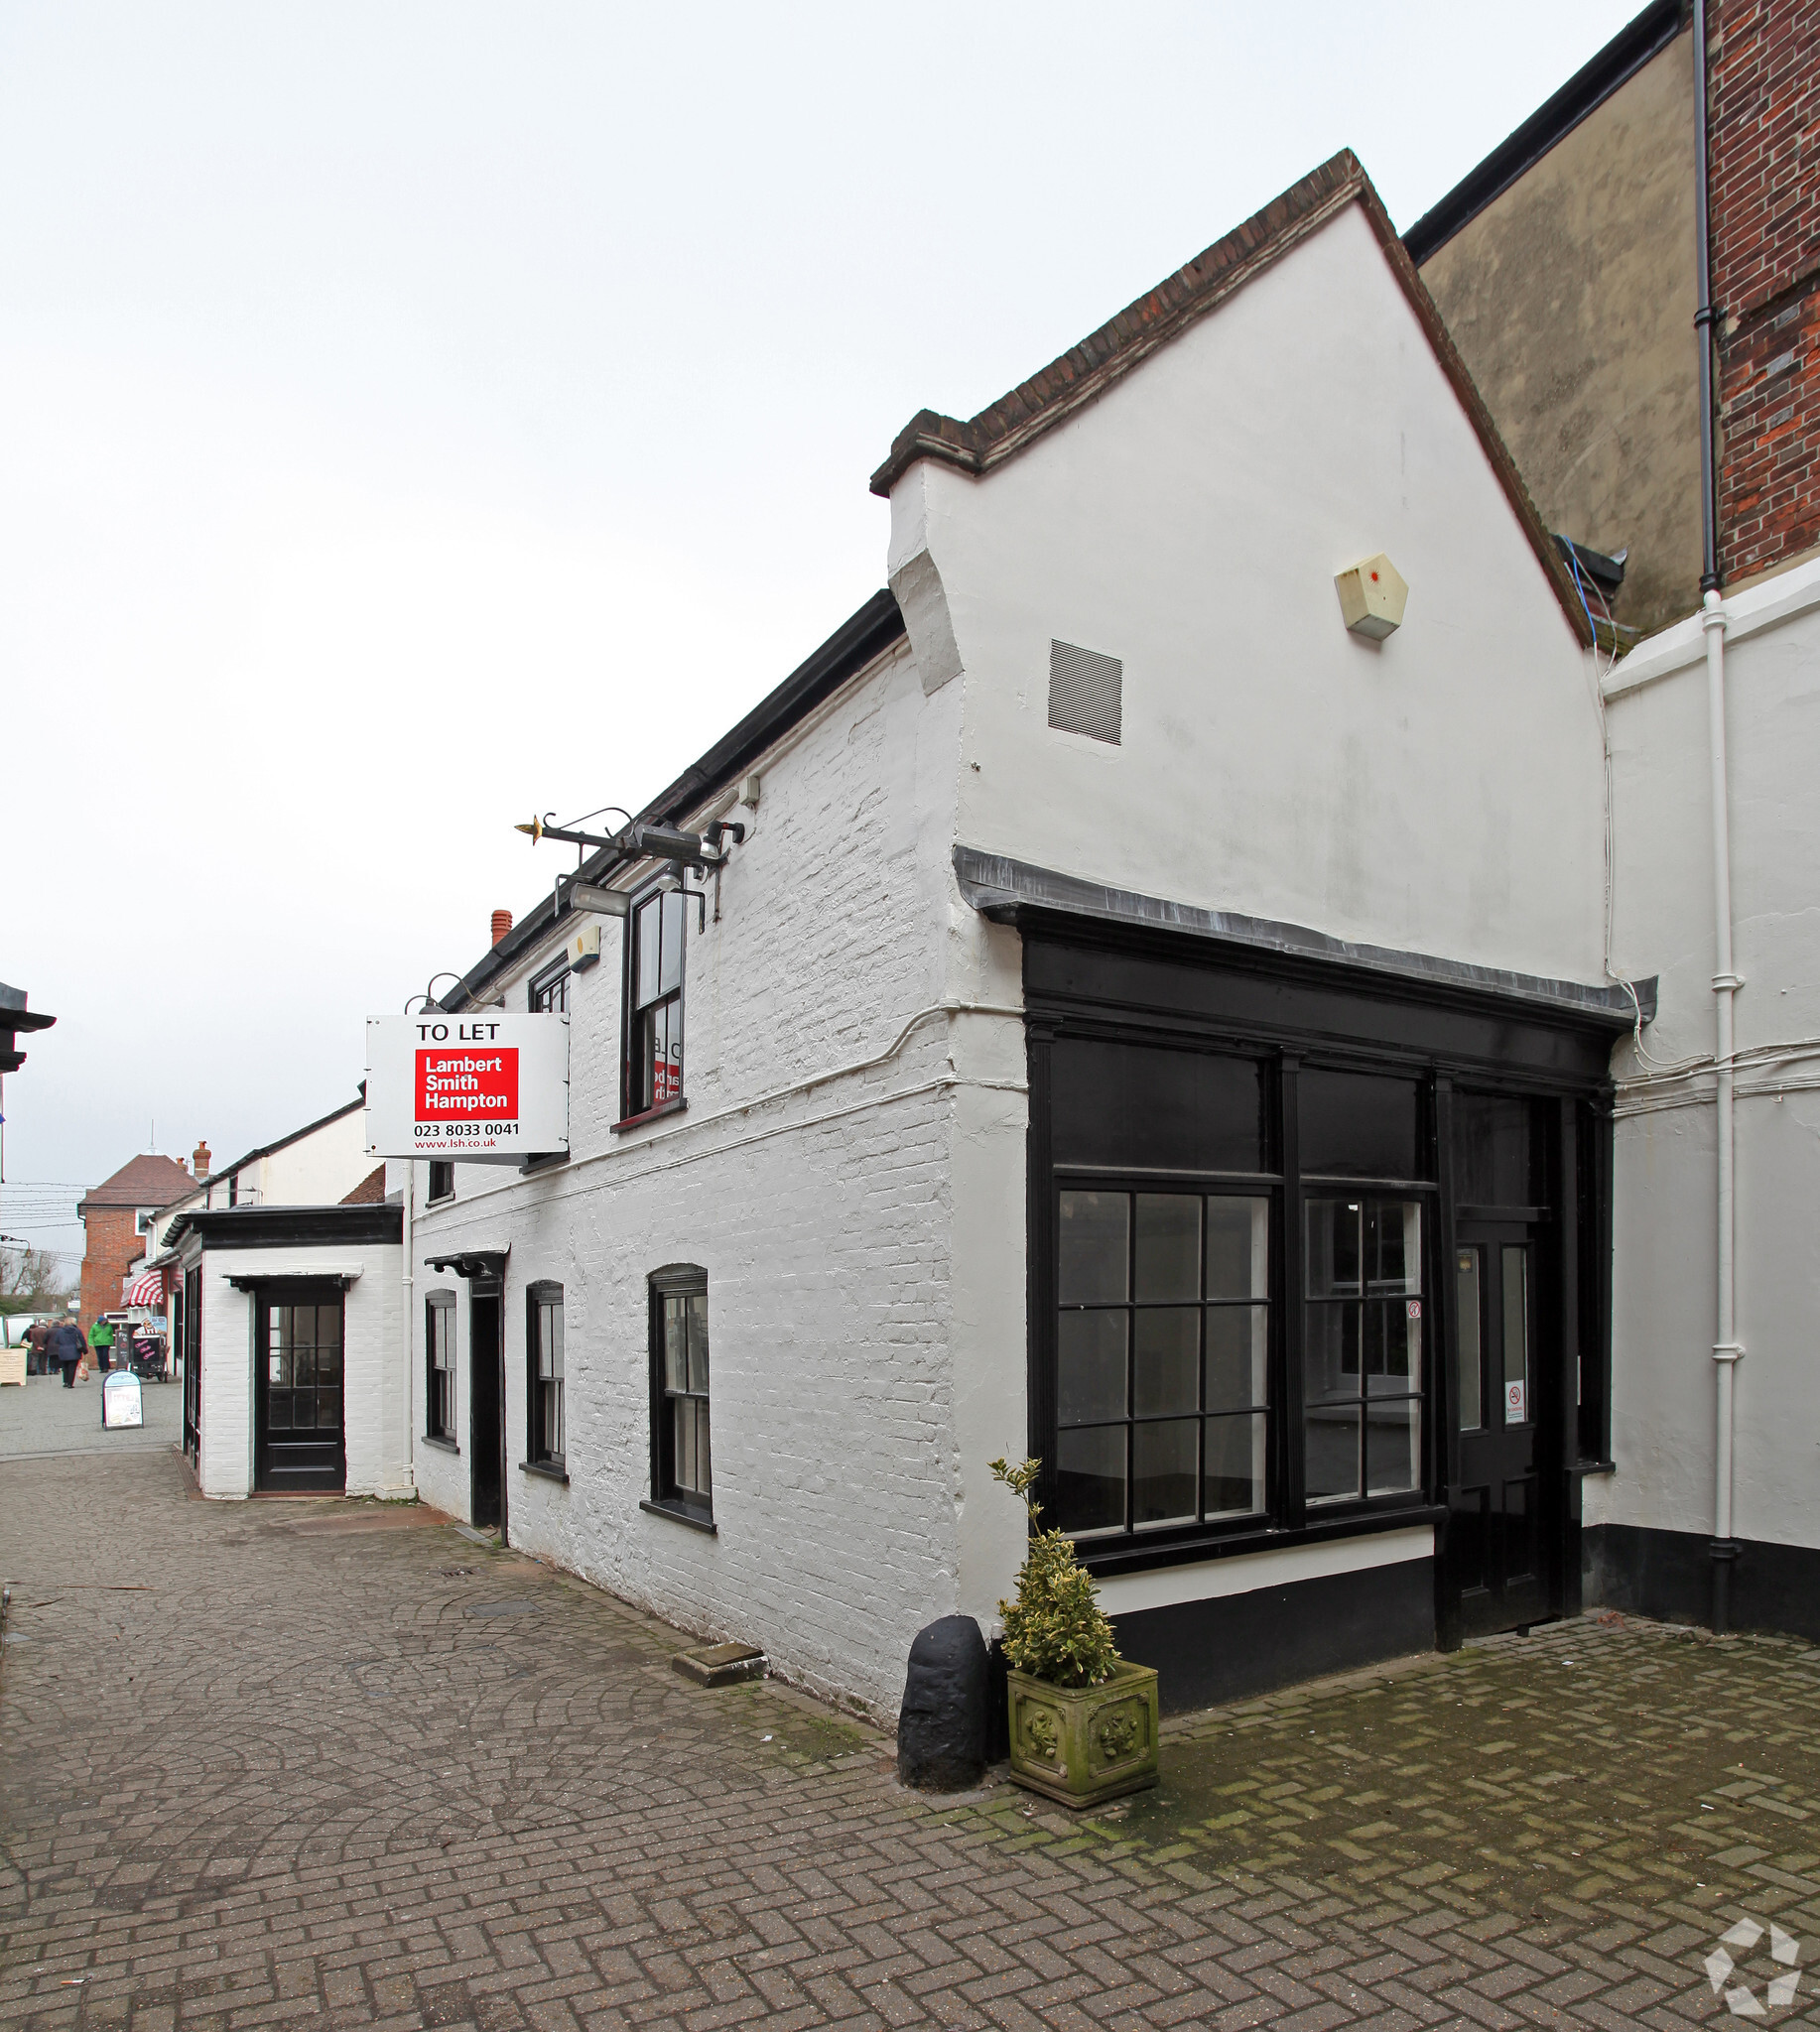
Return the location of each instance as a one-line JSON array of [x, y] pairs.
[[942, 1726]]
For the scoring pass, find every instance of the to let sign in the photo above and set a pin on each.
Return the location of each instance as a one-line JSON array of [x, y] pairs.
[[479, 1088]]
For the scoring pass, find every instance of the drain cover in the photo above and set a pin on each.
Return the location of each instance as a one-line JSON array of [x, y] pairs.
[[503, 1608]]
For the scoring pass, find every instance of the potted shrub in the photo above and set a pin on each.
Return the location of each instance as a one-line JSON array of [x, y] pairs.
[[1083, 1722]]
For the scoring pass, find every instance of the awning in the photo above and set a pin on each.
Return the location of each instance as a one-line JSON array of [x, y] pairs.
[[147, 1289]]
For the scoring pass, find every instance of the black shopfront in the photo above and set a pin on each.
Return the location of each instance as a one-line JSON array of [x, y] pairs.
[[1318, 1249]]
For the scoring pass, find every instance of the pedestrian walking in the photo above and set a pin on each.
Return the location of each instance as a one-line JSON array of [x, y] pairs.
[[65, 1350], [38, 1343], [101, 1340]]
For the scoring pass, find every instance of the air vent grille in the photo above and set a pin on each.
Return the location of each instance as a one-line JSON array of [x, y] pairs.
[[1086, 691]]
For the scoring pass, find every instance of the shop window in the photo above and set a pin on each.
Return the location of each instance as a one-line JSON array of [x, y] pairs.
[[1361, 1125], [439, 1365], [1162, 1360], [654, 1003], [1361, 1370], [550, 991], [681, 1452], [543, 1347]]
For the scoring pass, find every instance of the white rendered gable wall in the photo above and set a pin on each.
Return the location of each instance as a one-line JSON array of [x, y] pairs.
[[1440, 792]]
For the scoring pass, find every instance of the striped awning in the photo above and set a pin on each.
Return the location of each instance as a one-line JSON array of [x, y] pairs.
[[147, 1289]]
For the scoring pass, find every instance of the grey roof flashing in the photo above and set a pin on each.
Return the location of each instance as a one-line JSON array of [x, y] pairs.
[[1006, 890]]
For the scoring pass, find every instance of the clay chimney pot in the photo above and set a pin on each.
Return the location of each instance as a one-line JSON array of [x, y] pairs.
[[502, 923]]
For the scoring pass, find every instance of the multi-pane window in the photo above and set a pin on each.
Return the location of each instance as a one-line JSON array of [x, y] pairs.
[[304, 1368], [544, 1323], [653, 1031], [550, 991], [681, 1452], [439, 1365], [1162, 1358], [1361, 1375]]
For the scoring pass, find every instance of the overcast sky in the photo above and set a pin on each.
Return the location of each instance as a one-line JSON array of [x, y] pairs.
[[415, 415]]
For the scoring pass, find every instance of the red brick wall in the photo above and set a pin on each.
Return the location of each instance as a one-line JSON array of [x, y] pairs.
[[113, 1242], [1764, 114]]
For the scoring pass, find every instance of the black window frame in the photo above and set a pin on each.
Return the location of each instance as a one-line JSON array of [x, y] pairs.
[[635, 1105], [1287, 1513], [440, 1406], [1201, 1187], [669, 1497], [541, 1458], [547, 991], [442, 1181]]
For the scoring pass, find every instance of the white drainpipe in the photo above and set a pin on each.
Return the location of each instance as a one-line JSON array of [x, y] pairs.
[[408, 1321], [1725, 984]]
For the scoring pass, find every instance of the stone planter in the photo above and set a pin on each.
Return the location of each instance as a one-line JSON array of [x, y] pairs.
[[1084, 1745]]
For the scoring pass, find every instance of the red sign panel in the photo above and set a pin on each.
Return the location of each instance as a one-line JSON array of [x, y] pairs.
[[467, 1084]]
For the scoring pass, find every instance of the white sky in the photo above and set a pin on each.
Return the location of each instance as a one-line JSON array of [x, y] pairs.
[[414, 416]]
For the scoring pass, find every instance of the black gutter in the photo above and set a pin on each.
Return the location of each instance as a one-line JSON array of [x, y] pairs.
[[1703, 316], [285, 1227], [1590, 87], [862, 637]]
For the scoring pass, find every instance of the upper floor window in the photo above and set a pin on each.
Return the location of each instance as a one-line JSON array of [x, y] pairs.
[[682, 1456], [441, 1179], [550, 991], [544, 1339], [654, 1003], [439, 1365]]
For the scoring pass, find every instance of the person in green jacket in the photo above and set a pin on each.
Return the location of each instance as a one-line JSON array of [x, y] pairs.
[[101, 1344]]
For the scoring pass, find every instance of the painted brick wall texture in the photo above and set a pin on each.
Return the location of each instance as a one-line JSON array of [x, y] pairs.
[[1765, 113], [822, 1221]]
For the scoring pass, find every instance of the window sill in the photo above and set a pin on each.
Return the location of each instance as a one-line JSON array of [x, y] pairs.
[[550, 1470], [1144, 1558], [441, 1200], [677, 1515], [437, 1441], [545, 1160], [651, 1114]]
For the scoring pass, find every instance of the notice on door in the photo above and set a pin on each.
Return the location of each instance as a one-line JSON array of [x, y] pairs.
[[1515, 1403], [478, 1088]]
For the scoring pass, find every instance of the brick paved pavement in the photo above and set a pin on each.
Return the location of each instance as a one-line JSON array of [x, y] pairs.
[[354, 1770]]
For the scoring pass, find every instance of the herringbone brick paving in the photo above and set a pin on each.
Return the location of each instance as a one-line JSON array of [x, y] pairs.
[[330, 1764]]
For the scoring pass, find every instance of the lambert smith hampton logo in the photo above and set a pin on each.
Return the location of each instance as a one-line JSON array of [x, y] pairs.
[[468, 1083], [1731, 1957]]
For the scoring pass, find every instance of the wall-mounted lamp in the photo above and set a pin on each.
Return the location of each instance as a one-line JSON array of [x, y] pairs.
[[590, 896]]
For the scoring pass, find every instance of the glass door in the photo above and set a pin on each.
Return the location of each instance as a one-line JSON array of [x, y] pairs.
[[298, 1390], [1497, 1551]]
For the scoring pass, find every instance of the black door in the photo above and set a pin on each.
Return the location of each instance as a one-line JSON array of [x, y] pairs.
[[189, 1347], [1498, 1545], [487, 1412], [298, 1441]]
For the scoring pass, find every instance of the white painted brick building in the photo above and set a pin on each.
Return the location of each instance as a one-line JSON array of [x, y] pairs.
[[1101, 897]]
